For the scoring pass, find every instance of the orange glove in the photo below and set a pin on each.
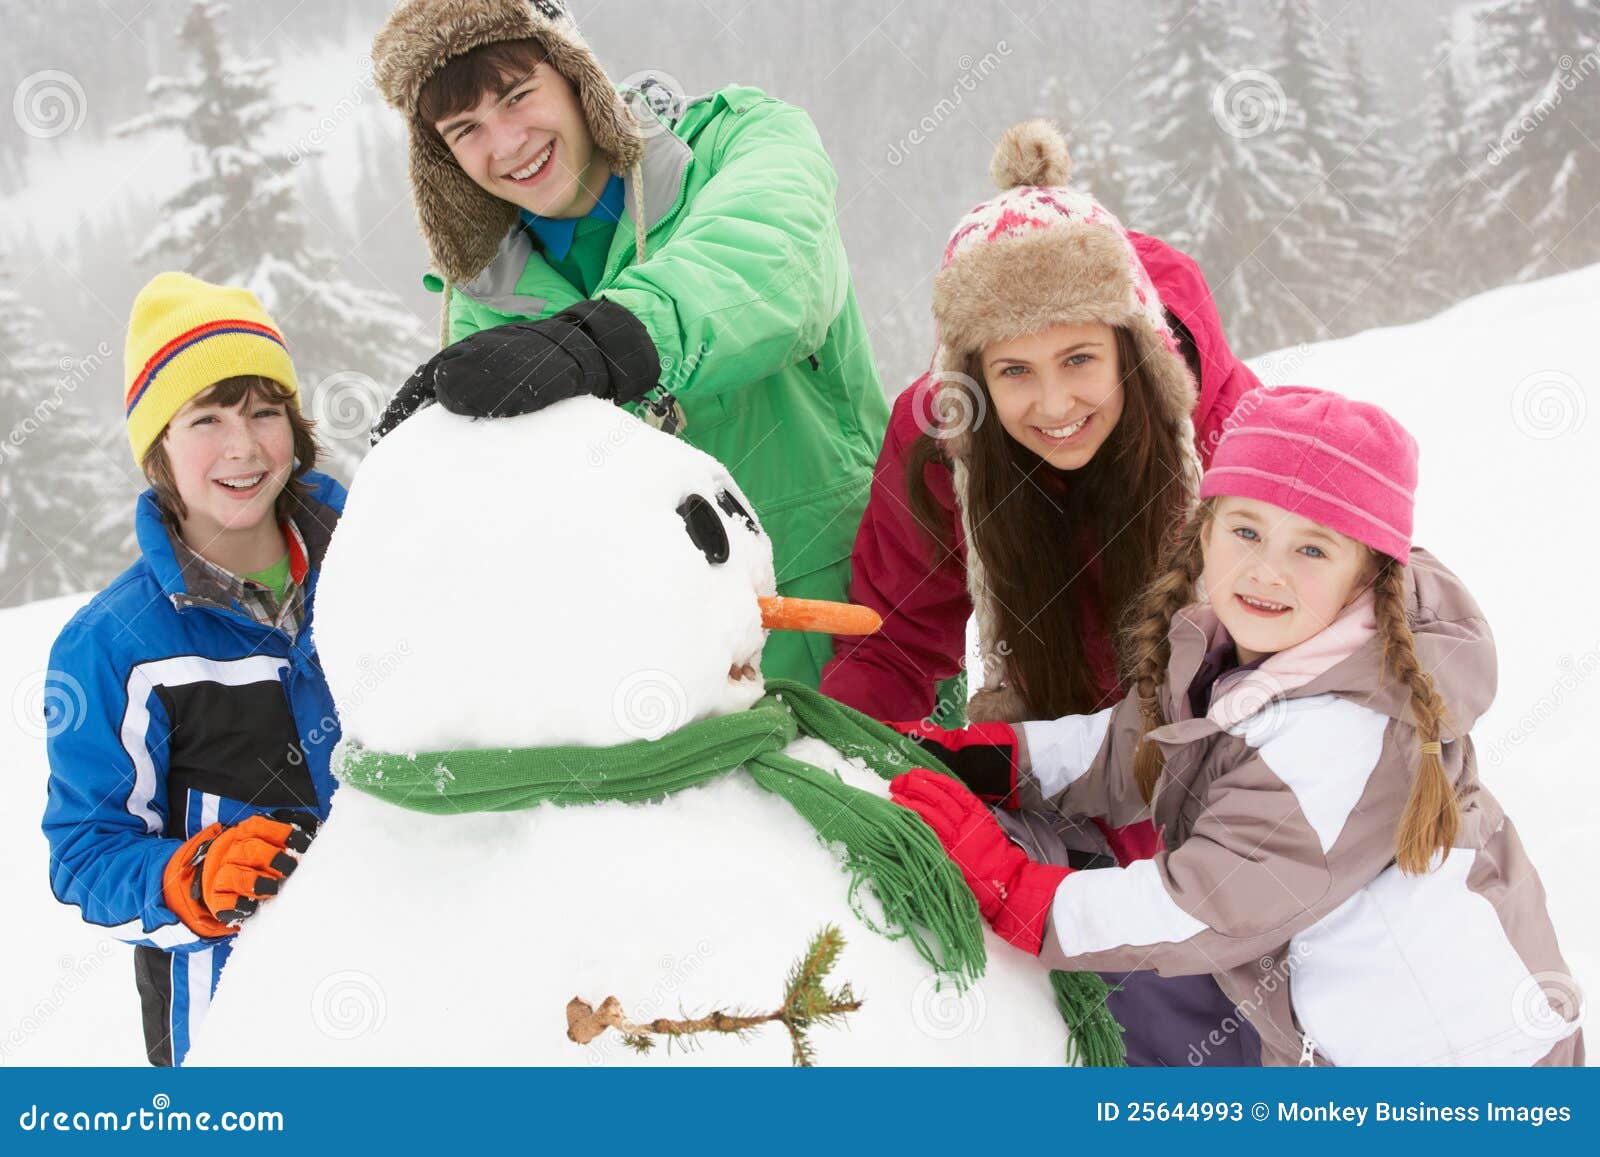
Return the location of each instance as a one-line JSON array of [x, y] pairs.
[[220, 875]]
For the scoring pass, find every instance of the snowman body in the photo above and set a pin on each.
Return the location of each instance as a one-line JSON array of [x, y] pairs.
[[570, 577]]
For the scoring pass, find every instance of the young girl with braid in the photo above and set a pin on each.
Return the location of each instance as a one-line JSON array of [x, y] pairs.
[[1027, 482], [1303, 685]]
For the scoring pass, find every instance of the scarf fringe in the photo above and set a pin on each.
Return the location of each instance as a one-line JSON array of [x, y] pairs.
[[1094, 1038]]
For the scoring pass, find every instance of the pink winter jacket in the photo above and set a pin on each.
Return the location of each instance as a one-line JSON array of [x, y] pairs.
[[923, 599], [1279, 810]]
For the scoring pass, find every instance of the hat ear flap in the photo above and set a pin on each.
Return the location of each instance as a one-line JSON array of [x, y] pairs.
[[461, 223]]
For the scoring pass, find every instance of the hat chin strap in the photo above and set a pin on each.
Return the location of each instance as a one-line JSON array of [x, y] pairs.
[[636, 175]]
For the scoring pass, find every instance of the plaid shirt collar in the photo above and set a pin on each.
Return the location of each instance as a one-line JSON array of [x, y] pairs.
[[206, 582]]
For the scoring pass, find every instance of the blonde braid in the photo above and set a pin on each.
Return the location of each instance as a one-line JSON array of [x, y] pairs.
[[1145, 647], [1431, 815]]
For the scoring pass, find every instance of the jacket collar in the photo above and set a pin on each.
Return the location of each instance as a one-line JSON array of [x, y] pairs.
[[313, 524], [1288, 671], [1299, 672], [664, 169], [556, 234]]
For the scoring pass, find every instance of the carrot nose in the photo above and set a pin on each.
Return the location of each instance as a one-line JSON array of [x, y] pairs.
[[785, 614]]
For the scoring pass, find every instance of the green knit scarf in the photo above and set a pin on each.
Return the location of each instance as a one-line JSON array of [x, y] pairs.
[[887, 846]]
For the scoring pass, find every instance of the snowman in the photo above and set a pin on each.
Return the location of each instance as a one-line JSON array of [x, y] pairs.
[[535, 629]]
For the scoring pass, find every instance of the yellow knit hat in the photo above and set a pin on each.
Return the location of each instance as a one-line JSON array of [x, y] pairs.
[[184, 337]]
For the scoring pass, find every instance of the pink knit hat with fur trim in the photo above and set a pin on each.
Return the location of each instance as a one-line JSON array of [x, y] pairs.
[[1043, 253], [1346, 465]]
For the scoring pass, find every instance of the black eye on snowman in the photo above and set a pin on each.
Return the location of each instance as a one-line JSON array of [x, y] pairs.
[[735, 509], [705, 527]]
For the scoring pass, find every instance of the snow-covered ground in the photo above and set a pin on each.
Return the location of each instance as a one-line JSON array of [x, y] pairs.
[[1496, 391], [68, 996]]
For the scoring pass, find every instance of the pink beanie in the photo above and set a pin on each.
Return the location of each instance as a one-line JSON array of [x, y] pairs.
[[1346, 465]]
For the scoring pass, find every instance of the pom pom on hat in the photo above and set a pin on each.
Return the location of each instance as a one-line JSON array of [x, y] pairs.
[[1033, 153]]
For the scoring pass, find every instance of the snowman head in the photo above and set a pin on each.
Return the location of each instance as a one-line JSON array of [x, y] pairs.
[[570, 576]]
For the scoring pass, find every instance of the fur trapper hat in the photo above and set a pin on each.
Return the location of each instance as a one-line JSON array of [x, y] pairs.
[[462, 223]]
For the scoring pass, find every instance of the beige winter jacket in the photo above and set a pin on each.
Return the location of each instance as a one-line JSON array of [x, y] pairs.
[[1279, 810]]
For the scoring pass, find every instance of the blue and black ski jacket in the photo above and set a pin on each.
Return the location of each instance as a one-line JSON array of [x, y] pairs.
[[167, 712]]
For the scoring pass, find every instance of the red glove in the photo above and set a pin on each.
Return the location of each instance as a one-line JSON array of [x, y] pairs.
[[1139, 840], [983, 756], [220, 875], [1013, 892]]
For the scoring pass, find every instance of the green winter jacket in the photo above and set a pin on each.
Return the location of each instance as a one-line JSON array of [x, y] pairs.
[[747, 295]]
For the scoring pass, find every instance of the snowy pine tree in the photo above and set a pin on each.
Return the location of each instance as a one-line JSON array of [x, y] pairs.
[[53, 481], [240, 222], [381, 201], [1536, 128], [1219, 179], [1374, 180], [1441, 268], [1323, 133]]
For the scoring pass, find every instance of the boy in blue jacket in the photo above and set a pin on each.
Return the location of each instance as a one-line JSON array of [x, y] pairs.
[[191, 727]]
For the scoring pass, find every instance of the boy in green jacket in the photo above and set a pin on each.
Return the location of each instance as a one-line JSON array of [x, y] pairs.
[[680, 258]]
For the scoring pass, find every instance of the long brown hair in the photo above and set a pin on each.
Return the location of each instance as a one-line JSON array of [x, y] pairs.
[[1432, 814], [1064, 549], [228, 393]]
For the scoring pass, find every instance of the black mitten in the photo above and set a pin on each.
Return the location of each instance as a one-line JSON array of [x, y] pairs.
[[595, 348]]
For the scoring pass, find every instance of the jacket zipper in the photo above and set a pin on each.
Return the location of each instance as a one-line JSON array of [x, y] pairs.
[[628, 255], [186, 602], [1308, 1051], [192, 603]]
